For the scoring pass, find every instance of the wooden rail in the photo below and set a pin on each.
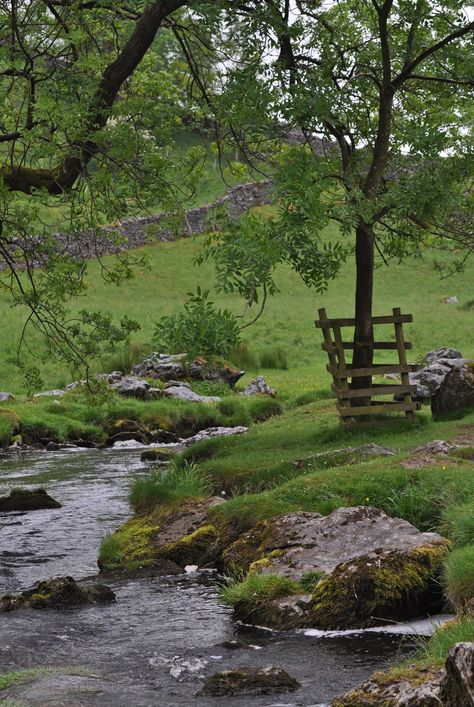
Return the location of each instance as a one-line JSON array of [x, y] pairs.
[[343, 374]]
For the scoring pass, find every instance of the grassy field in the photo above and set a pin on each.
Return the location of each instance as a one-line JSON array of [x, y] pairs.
[[287, 323]]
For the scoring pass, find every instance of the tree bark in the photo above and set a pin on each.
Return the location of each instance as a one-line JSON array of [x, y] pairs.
[[363, 335]]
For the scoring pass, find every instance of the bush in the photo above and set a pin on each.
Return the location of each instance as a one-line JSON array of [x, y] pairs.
[[263, 408], [274, 358], [201, 329], [459, 576], [458, 524], [179, 483]]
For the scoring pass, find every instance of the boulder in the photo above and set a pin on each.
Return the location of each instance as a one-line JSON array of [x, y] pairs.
[[57, 593], [215, 432], [183, 391], [361, 567], [457, 687], [417, 688], [27, 500], [259, 386], [443, 352], [131, 387], [4, 397], [156, 455], [436, 366], [347, 455], [249, 682], [177, 367], [456, 392]]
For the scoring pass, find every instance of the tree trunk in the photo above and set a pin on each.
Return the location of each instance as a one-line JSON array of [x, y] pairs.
[[364, 334]]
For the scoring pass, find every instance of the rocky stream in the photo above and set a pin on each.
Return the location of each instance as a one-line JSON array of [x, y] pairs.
[[163, 635]]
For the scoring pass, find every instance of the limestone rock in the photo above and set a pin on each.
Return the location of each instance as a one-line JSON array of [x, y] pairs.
[[437, 354], [4, 397], [57, 593], [249, 681], [215, 432], [131, 387], [437, 364], [183, 391], [364, 564], [27, 500], [176, 367], [259, 386], [437, 446], [457, 688], [456, 391], [420, 689], [50, 394], [347, 455]]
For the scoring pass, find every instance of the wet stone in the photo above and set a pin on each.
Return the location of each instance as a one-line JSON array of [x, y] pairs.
[[57, 593], [249, 681], [27, 500]]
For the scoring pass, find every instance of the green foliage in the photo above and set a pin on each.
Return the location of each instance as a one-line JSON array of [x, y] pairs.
[[458, 576], [235, 411], [200, 329], [242, 357], [123, 358], [274, 357], [434, 652], [262, 408], [110, 551], [178, 483], [258, 588], [458, 522], [310, 579]]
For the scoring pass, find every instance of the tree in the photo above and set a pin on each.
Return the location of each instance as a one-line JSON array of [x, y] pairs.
[[382, 92], [92, 92]]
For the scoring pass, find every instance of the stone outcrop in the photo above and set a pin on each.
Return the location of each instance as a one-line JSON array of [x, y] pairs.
[[437, 364], [27, 500], [364, 566], [259, 386], [183, 391], [57, 593], [215, 432], [177, 367], [249, 681], [451, 686], [456, 392]]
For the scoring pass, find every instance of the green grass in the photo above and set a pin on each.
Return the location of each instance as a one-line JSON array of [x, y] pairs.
[[459, 576], [258, 588], [178, 483], [434, 651]]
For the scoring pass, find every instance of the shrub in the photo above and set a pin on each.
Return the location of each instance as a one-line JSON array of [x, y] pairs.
[[180, 482], [263, 408], [459, 576], [201, 329], [274, 358], [458, 524]]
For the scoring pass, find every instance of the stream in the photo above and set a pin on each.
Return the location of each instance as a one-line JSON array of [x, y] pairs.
[[164, 634]]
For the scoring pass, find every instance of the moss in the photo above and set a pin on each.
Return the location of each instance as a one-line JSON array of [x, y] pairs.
[[357, 698], [195, 548], [253, 597], [131, 544], [395, 586], [247, 549]]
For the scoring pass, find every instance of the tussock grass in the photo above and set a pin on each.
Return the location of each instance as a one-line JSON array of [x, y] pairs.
[[258, 588], [458, 576], [178, 483]]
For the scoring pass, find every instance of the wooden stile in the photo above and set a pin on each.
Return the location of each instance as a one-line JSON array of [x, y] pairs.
[[341, 371]]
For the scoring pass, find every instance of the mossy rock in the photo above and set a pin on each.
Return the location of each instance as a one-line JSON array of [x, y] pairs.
[[393, 586], [27, 500], [57, 593], [198, 548], [157, 455]]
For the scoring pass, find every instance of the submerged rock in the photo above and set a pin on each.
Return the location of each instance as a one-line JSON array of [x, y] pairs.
[[215, 432], [27, 500], [249, 681], [156, 455], [57, 593], [177, 367], [360, 564]]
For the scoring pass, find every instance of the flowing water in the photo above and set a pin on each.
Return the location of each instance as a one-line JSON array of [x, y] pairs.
[[160, 639]]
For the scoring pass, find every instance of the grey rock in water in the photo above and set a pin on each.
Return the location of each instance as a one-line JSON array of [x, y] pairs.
[[456, 392], [259, 386], [183, 391], [27, 500], [57, 593], [249, 682], [215, 432], [4, 397], [348, 556]]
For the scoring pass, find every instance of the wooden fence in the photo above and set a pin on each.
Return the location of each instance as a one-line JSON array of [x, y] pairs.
[[347, 396]]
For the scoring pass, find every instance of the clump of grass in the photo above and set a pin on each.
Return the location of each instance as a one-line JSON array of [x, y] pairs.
[[274, 357], [179, 483], [110, 551], [242, 357], [124, 357], [458, 523], [434, 651], [263, 408], [310, 579], [458, 576], [234, 412], [258, 588]]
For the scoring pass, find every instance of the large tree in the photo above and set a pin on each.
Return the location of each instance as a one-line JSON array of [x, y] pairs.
[[382, 92]]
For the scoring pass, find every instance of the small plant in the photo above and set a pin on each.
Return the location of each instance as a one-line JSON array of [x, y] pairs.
[[181, 481], [258, 588], [200, 329], [310, 579], [459, 524], [459, 576], [110, 551], [274, 358]]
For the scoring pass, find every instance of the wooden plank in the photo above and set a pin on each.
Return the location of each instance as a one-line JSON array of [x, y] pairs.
[[382, 408], [402, 357], [377, 369], [345, 321], [341, 359], [376, 389], [385, 345]]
